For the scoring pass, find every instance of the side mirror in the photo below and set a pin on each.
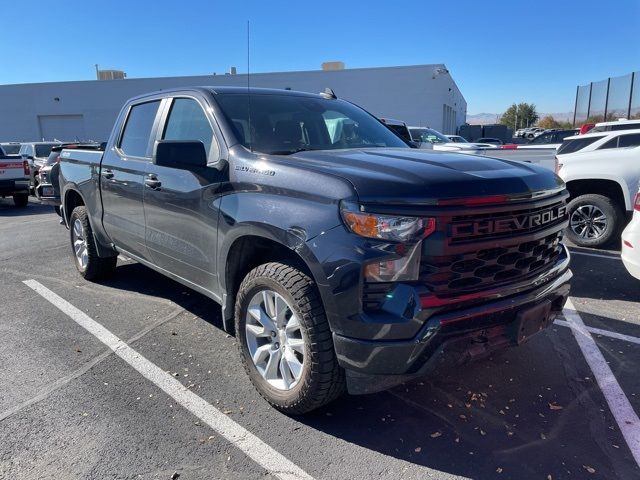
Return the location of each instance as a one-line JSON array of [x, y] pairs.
[[185, 155]]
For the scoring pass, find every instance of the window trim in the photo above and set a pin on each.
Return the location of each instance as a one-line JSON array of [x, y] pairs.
[[149, 151], [216, 143]]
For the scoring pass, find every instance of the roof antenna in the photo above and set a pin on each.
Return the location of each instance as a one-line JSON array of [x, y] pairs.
[[249, 93]]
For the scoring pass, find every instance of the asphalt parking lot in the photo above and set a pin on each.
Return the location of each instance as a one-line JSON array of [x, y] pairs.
[[72, 408]]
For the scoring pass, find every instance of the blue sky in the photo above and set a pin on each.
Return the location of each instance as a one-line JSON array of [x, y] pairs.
[[498, 52]]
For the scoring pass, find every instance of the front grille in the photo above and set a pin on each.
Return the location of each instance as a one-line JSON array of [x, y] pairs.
[[485, 251], [490, 267]]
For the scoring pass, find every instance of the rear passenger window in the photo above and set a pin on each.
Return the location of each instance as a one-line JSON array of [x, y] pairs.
[[571, 146], [137, 130], [613, 143], [187, 121], [632, 140]]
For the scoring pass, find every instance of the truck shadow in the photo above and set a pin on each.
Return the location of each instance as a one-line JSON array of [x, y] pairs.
[[527, 413], [7, 208]]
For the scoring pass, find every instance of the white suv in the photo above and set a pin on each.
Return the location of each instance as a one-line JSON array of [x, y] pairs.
[[622, 124], [602, 171]]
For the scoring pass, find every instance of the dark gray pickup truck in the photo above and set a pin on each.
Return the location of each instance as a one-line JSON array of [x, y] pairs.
[[341, 257]]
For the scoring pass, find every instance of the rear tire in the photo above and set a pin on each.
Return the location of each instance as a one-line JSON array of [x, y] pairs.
[[83, 247], [21, 200], [594, 220], [319, 378]]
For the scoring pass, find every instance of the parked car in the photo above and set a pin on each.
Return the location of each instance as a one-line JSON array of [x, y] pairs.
[[622, 124], [520, 133], [14, 178], [631, 241], [398, 127], [438, 141], [47, 188], [457, 139], [533, 132], [36, 153], [10, 148], [602, 173], [491, 141], [338, 260], [551, 139]]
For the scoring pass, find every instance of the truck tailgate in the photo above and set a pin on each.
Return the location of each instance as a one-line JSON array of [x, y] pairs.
[[11, 169]]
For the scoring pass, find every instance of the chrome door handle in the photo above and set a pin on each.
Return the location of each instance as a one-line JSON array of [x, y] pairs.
[[152, 182], [108, 174]]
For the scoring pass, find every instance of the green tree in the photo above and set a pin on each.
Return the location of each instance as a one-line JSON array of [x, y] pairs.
[[549, 122], [520, 116]]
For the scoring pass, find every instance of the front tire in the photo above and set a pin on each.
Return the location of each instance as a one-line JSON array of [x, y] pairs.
[[21, 200], [594, 220], [284, 339], [83, 246]]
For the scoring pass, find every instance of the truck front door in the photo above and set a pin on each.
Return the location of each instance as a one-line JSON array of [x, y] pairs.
[[122, 179], [181, 207]]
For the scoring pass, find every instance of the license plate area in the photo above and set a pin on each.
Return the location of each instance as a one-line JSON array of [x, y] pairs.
[[531, 321]]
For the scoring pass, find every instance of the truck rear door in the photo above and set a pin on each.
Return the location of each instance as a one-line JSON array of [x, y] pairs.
[[180, 209], [122, 179]]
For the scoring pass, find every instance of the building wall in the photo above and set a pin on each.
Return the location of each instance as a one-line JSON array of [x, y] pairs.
[[417, 95]]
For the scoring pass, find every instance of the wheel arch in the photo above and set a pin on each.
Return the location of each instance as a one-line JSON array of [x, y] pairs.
[[250, 249], [599, 186]]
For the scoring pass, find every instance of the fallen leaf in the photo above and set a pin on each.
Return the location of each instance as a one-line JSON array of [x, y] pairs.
[[499, 470], [543, 436], [227, 412], [554, 406], [482, 432], [589, 469], [457, 440], [436, 434], [418, 449]]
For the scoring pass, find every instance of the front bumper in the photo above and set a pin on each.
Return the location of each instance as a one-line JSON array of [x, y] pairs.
[[45, 192], [450, 337]]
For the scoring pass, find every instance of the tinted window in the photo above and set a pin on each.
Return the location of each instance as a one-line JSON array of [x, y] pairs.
[[428, 135], [137, 130], [288, 123], [187, 121], [542, 139], [632, 140], [613, 143], [625, 126], [400, 130], [11, 149], [570, 146], [43, 150]]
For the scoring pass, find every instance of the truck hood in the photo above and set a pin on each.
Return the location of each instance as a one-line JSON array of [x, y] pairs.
[[414, 176]]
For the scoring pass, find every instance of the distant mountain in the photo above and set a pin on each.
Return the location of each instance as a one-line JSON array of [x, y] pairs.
[[489, 118]]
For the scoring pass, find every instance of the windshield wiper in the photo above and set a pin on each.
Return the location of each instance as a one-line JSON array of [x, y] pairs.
[[290, 152]]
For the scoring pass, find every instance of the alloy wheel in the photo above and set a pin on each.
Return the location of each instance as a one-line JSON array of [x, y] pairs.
[[275, 340], [80, 244], [588, 221]]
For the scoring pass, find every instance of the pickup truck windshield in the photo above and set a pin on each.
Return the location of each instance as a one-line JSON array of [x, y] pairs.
[[44, 149], [285, 124], [428, 135]]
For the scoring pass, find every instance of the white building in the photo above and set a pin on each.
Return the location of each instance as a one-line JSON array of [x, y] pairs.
[[424, 95]]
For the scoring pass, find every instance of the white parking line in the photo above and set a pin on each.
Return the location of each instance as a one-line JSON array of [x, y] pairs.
[[606, 333], [252, 446], [622, 411], [597, 255]]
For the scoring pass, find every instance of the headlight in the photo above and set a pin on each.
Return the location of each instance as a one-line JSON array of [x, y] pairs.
[[387, 227]]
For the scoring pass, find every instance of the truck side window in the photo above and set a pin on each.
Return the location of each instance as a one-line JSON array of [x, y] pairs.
[[137, 130], [187, 121]]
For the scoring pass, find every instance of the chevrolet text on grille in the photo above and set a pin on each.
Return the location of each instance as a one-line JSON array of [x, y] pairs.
[[508, 224]]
